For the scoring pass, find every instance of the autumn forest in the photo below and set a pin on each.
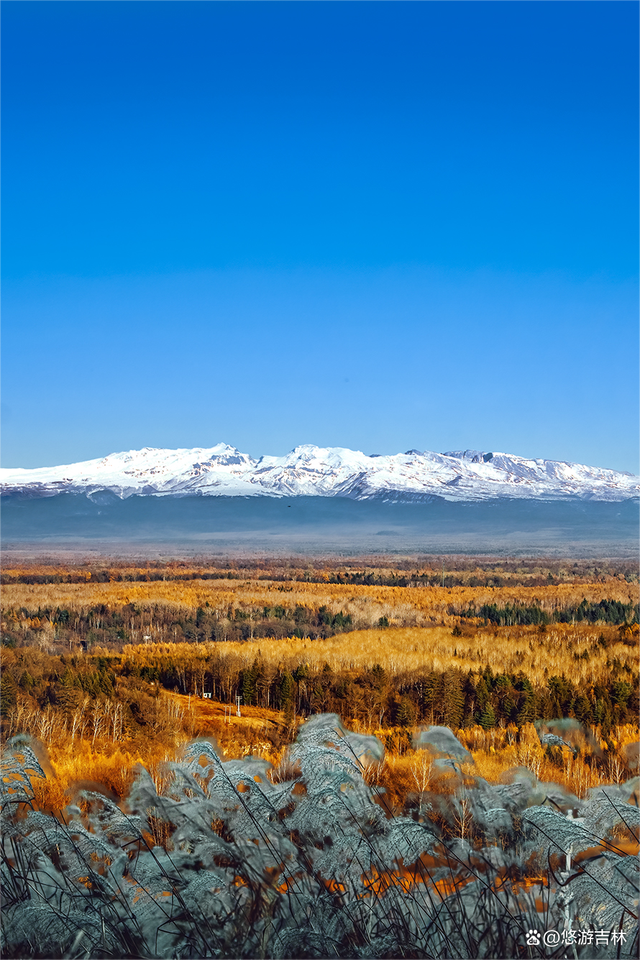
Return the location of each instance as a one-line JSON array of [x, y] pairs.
[[113, 663]]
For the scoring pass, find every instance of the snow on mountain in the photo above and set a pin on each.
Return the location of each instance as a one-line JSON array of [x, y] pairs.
[[323, 472]]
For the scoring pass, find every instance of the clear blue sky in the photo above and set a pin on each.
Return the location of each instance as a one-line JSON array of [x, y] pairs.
[[377, 225]]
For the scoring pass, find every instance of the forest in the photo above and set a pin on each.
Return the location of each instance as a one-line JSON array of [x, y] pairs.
[[111, 672]]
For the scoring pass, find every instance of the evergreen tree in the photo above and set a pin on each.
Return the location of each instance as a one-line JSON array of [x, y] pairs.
[[68, 695], [487, 717], [470, 700], [527, 712], [562, 695], [452, 700], [482, 699], [405, 713], [432, 697], [287, 686], [249, 684], [7, 692]]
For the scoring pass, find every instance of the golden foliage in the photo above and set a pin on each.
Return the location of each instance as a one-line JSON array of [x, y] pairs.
[[424, 604], [419, 639], [560, 649]]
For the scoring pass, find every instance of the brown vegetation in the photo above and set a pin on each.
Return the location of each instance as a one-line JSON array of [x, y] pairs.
[[77, 677]]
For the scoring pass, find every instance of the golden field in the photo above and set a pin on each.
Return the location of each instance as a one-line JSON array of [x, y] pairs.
[[109, 670]]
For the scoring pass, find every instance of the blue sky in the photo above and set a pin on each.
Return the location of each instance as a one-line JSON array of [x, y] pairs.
[[376, 225]]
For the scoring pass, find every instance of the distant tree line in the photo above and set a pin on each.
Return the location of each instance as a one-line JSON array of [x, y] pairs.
[[604, 611], [103, 624], [107, 625], [355, 578], [448, 572]]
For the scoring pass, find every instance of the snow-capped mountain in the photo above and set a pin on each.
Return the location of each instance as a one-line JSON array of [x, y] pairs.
[[323, 472]]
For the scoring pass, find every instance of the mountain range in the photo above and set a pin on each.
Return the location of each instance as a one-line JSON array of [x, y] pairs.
[[310, 471]]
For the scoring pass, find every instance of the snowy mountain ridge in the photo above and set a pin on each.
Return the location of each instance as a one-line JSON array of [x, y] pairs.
[[308, 470]]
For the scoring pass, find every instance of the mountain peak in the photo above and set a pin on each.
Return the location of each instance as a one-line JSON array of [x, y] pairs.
[[309, 470]]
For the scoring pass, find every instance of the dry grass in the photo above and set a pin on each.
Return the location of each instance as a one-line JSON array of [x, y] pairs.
[[108, 766], [404, 773], [496, 753]]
